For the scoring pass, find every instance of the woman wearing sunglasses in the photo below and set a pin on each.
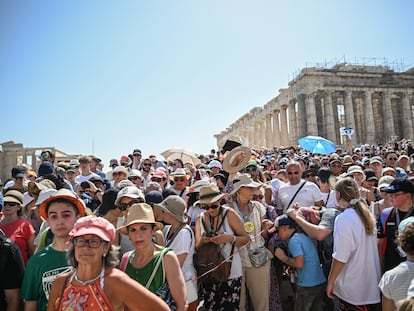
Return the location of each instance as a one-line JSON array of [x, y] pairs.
[[94, 284], [256, 276], [15, 227], [223, 226]]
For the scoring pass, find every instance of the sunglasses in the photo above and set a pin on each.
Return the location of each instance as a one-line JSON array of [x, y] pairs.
[[207, 207], [392, 159], [291, 173], [157, 179], [310, 175], [256, 197], [92, 243], [336, 165], [146, 164], [12, 204], [250, 169], [179, 179], [117, 174], [132, 178], [124, 206]]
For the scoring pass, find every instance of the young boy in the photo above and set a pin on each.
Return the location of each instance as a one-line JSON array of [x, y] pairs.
[[310, 280], [61, 211]]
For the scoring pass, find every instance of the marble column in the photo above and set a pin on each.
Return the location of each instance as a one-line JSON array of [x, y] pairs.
[[256, 135], [262, 124], [312, 124], [276, 129], [251, 136], [388, 117], [301, 120], [269, 138], [349, 112], [329, 117], [369, 119], [407, 119], [284, 126], [293, 124]]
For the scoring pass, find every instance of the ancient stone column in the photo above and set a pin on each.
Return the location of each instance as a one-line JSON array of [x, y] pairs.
[[256, 135], [269, 131], [311, 115], [388, 117], [369, 119], [262, 124], [407, 121], [276, 129], [251, 136], [301, 120], [284, 126], [349, 111], [329, 117], [293, 124]]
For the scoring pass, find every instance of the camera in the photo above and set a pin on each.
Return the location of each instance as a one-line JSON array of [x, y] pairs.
[[85, 185]]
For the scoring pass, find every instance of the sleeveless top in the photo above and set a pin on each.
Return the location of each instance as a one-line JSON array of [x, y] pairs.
[[87, 297], [142, 275]]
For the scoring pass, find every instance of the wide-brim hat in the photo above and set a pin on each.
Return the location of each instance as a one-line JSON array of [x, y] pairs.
[[34, 187], [132, 192], [195, 188], [62, 194], [210, 194], [180, 172], [14, 196], [236, 159], [175, 206], [244, 180], [139, 213]]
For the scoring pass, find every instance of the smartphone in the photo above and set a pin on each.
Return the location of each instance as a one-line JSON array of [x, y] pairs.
[[85, 185]]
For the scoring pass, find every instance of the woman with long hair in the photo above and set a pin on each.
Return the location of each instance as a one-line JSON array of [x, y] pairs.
[[355, 270]]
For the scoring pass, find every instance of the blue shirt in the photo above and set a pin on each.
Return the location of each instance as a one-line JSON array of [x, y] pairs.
[[311, 274]]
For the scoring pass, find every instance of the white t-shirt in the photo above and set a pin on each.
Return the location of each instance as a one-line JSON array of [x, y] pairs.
[[307, 196], [357, 283], [184, 243]]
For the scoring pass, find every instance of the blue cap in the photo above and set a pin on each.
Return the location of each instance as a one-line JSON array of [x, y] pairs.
[[284, 220], [46, 168]]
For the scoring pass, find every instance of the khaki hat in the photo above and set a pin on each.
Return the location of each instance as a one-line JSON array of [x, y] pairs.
[[236, 159], [180, 172], [13, 196], [62, 194], [175, 206], [139, 213], [34, 187], [243, 180], [210, 194]]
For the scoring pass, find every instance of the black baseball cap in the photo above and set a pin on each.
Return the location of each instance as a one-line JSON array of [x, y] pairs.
[[399, 184]]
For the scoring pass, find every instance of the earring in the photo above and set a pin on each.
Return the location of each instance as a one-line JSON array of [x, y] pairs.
[[104, 255]]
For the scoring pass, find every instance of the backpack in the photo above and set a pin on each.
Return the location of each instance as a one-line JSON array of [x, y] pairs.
[[209, 259]]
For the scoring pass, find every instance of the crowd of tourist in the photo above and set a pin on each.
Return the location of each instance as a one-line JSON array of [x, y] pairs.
[[236, 229]]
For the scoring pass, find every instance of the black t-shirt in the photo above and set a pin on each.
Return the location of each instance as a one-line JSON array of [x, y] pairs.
[[389, 232], [11, 268]]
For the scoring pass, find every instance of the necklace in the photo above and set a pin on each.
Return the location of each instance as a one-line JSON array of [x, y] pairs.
[[83, 283]]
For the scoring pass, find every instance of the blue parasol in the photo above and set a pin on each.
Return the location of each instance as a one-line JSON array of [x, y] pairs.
[[317, 144]]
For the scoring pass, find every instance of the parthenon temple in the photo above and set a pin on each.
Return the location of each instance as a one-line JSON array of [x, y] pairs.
[[375, 101]]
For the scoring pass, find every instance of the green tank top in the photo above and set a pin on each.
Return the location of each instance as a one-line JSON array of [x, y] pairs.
[[143, 274]]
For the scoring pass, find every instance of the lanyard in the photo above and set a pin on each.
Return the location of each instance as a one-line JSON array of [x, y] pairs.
[[245, 218], [397, 216]]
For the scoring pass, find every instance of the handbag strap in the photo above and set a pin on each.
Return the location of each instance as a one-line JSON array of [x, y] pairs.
[[181, 226], [294, 196], [159, 261]]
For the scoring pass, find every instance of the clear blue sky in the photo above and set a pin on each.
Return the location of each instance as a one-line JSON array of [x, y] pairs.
[[110, 76]]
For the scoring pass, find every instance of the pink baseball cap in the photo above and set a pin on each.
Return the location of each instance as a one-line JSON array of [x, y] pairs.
[[94, 225], [159, 174]]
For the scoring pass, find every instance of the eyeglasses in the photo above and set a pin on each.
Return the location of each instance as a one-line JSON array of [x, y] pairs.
[[117, 174], [179, 179], [157, 179], [124, 206], [310, 175], [136, 154], [12, 204], [92, 243], [256, 197], [336, 165], [133, 178], [291, 173], [392, 159], [250, 169], [146, 164], [207, 207]]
